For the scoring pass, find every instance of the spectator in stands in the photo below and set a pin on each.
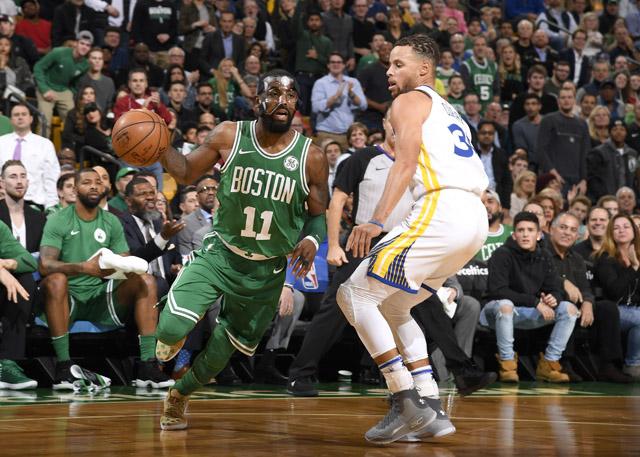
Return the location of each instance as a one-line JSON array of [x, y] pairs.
[[597, 221], [626, 200], [119, 53], [560, 75], [623, 45], [66, 193], [69, 274], [142, 59], [188, 201], [494, 159], [526, 292], [312, 53], [541, 53], [35, 28], [515, 9], [563, 144], [36, 153], [456, 93], [227, 84], [587, 103], [481, 74], [15, 69], [551, 19], [456, 44], [616, 270], [536, 77], [148, 237], [580, 206], [426, 25], [207, 120], [523, 44], [375, 86], [26, 223], [498, 232], [140, 96], [252, 66], [155, 23], [598, 123], [222, 43], [599, 74], [551, 202], [607, 98], [22, 46], [98, 132], [577, 58], [206, 189], [610, 203], [396, 28], [334, 99], [162, 205], [245, 106], [197, 18], [357, 137], [106, 190], [16, 289], [338, 27], [75, 124], [57, 72], [573, 270], [176, 96], [525, 131], [612, 164], [510, 74], [105, 89], [70, 17], [123, 177]]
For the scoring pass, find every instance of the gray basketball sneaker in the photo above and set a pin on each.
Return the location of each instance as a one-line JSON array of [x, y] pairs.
[[408, 414], [439, 428]]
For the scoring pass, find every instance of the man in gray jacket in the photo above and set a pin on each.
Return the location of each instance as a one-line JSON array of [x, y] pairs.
[[206, 190]]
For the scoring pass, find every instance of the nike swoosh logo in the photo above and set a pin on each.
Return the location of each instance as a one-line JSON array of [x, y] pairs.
[[245, 152], [276, 270], [74, 232]]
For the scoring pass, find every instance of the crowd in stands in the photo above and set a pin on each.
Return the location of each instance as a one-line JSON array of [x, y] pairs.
[[549, 88]]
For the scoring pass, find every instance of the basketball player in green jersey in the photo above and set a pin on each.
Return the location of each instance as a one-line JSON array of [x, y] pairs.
[[273, 191]]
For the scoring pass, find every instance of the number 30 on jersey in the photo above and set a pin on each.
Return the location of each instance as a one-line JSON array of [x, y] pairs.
[[461, 144]]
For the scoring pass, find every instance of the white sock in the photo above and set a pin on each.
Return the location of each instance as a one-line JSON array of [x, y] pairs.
[[396, 374], [426, 385]]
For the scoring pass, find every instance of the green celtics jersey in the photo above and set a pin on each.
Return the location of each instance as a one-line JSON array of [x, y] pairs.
[[77, 240], [482, 77], [493, 242], [262, 196]]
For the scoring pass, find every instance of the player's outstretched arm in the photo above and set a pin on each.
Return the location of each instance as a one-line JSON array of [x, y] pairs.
[[315, 229], [408, 113], [187, 168]]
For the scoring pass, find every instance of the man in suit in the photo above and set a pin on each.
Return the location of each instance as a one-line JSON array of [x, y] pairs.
[[207, 189], [25, 222], [578, 62], [494, 160], [147, 237], [106, 193], [220, 44]]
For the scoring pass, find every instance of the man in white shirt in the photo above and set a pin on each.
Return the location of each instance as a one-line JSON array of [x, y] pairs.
[[36, 153]]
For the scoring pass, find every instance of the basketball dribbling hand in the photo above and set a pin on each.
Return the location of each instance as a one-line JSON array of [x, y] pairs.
[[359, 241], [302, 258]]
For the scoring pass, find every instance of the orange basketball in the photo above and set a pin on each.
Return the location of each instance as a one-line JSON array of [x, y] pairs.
[[140, 137]]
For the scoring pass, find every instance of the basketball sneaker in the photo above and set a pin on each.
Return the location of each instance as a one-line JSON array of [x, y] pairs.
[[149, 374], [166, 352], [125, 264], [12, 377], [302, 387], [409, 413], [74, 377], [439, 428], [173, 412]]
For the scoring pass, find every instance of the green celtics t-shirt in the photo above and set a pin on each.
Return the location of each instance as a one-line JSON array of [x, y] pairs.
[[78, 240], [493, 242]]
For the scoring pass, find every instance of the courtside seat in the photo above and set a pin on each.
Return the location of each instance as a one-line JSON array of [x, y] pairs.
[[83, 327]]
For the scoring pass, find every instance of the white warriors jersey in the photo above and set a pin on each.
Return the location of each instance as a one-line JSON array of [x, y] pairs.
[[447, 158]]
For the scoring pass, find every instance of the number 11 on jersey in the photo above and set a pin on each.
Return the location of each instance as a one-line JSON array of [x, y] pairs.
[[248, 231]]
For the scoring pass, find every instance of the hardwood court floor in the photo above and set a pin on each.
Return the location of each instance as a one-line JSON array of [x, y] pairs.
[[534, 420]]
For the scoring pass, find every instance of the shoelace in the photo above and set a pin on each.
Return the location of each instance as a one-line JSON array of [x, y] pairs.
[[176, 407], [11, 367], [393, 412]]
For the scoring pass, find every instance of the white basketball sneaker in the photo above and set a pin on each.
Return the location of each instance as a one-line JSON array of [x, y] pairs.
[[129, 264]]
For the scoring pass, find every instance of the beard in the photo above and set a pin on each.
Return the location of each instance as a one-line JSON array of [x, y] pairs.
[[149, 215], [89, 202], [493, 217], [275, 126]]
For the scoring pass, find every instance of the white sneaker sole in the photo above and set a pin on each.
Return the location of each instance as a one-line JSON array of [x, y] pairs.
[[426, 436], [173, 427], [155, 385], [408, 430], [23, 385]]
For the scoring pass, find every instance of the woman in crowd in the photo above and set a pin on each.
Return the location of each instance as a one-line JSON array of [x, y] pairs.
[[357, 135], [163, 207], [551, 203], [590, 24], [598, 123], [616, 272], [15, 68], [226, 84], [75, 123], [524, 188], [510, 73], [396, 29], [176, 73]]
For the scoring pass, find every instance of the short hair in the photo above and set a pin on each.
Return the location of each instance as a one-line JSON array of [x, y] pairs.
[[62, 179], [595, 207], [11, 163], [576, 31], [205, 177], [606, 198], [145, 173], [531, 96], [203, 128], [173, 83], [329, 143], [484, 122], [137, 70], [423, 46], [137, 179], [537, 69], [203, 84], [556, 220], [112, 29], [357, 126], [468, 94], [24, 105], [80, 172], [183, 195], [624, 189], [525, 216], [582, 199]]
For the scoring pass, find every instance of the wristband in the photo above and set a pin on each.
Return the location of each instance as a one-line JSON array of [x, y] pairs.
[[379, 224], [288, 286], [313, 240]]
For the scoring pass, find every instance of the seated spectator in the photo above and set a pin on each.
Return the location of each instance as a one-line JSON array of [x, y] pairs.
[[536, 77], [481, 74], [35, 28], [587, 104], [206, 189], [22, 46], [36, 153], [498, 232], [580, 207], [597, 221], [333, 152], [227, 84], [611, 165], [207, 120], [626, 200], [148, 237], [105, 178], [16, 289], [176, 98], [57, 72], [75, 124], [175, 73], [610, 203], [98, 132], [66, 193], [525, 291], [15, 69], [73, 276], [607, 98], [334, 99], [26, 223], [123, 177], [494, 160], [188, 201], [524, 188], [103, 85], [604, 314], [116, 54], [140, 96], [616, 270], [162, 205], [357, 135], [68, 18], [456, 93], [373, 79]]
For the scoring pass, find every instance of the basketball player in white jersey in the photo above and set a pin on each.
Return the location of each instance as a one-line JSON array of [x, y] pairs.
[[446, 227]]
